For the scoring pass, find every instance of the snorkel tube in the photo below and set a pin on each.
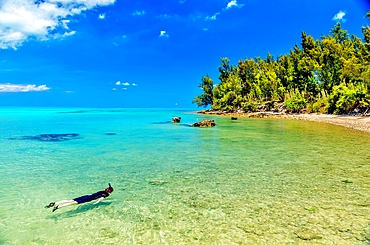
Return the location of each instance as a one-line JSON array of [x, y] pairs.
[[110, 188]]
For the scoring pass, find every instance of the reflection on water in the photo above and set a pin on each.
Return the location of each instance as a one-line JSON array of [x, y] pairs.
[[254, 181]]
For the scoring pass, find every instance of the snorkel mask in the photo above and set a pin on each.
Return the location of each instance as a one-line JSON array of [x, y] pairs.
[[109, 189]]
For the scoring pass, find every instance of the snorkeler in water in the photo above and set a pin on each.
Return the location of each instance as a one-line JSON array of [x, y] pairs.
[[100, 195]]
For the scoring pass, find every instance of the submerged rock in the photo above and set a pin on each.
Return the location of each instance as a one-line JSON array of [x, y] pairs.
[[157, 182], [205, 123], [110, 133], [48, 137], [176, 119]]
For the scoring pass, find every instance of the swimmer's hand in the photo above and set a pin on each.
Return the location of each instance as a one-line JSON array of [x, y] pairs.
[[99, 200]]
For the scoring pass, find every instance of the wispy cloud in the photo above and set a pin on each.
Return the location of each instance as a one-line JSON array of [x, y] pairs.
[[8, 88], [233, 3], [164, 17], [139, 13], [134, 84], [163, 34], [102, 16], [213, 17], [21, 20], [340, 16], [182, 1], [126, 84]]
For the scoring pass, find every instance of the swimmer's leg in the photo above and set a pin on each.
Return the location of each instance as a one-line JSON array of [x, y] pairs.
[[63, 203], [52, 204]]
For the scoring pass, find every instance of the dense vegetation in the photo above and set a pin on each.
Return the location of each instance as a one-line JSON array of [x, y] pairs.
[[331, 75]]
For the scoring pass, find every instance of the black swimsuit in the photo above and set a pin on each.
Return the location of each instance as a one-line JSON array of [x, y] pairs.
[[89, 198]]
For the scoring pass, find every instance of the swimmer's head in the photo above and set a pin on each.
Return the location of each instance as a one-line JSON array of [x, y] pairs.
[[109, 189]]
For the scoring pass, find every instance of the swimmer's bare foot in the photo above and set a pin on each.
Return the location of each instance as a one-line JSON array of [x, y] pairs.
[[55, 208]]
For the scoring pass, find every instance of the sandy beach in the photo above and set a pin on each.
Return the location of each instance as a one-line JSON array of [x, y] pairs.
[[355, 122], [361, 123]]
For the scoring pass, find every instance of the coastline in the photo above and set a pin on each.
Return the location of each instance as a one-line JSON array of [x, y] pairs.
[[361, 123]]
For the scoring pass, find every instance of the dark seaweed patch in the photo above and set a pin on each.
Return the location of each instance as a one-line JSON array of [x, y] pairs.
[[92, 111], [166, 122], [110, 133], [48, 137], [67, 112]]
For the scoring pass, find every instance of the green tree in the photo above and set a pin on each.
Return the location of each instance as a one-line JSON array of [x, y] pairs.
[[245, 71], [227, 95], [225, 69], [330, 75], [339, 34], [206, 98]]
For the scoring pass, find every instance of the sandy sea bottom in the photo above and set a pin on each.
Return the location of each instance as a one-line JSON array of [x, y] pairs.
[[250, 181]]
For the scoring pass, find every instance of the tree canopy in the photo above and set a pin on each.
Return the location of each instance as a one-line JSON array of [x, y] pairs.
[[330, 75]]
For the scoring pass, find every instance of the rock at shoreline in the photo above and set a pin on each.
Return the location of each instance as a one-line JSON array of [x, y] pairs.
[[361, 123], [205, 123], [234, 118], [176, 119]]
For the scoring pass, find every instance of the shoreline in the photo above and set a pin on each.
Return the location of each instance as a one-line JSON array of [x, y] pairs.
[[361, 123]]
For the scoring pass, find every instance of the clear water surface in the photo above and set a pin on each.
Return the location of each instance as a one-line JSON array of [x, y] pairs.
[[250, 181]]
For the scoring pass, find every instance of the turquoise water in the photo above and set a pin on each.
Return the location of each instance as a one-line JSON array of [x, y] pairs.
[[250, 181]]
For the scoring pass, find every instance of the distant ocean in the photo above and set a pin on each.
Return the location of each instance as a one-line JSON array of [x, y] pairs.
[[249, 181]]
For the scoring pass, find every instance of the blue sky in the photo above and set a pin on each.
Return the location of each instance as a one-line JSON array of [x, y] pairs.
[[121, 53]]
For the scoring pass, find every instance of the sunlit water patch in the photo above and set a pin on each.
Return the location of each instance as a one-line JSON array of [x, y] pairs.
[[249, 181]]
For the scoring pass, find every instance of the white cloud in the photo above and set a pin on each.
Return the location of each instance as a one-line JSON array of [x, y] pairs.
[[114, 89], [134, 84], [163, 34], [124, 88], [139, 13], [102, 16], [123, 83], [214, 17], [8, 88], [21, 20], [340, 16], [182, 1], [233, 3]]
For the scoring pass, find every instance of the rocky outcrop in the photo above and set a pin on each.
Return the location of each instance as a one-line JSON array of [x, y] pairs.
[[176, 119], [204, 124]]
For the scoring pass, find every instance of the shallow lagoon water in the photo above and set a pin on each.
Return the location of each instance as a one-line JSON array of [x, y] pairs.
[[250, 181]]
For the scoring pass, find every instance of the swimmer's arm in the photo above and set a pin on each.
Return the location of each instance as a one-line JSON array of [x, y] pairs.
[[99, 200]]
